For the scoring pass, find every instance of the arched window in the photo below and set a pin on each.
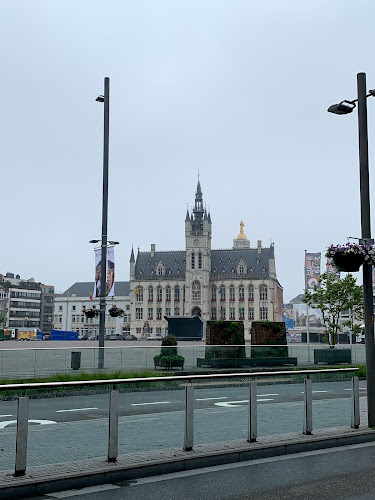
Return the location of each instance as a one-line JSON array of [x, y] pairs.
[[263, 292], [200, 260], [196, 290], [263, 312], [168, 293], [251, 292], [213, 293], [159, 294], [139, 294], [177, 293], [192, 260], [222, 293], [241, 293], [150, 293], [232, 292]]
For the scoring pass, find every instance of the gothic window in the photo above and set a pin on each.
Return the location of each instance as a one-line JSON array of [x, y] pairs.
[[251, 292], [251, 312], [213, 313], [232, 296], [200, 260], [177, 293], [150, 293], [241, 268], [241, 293], [263, 292], [192, 260], [168, 293], [150, 313], [138, 313], [222, 293], [222, 312], [213, 293], [161, 269], [158, 313], [176, 311], [167, 311], [241, 312], [159, 294], [139, 294], [196, 290], [263, 312], [232, 313]]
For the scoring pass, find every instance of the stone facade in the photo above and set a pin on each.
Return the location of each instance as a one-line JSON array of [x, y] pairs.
[[232, 284]]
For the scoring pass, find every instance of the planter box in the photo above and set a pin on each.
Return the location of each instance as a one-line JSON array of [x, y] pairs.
[[332, 356], [169, 365], [225, 362], [275, 361]]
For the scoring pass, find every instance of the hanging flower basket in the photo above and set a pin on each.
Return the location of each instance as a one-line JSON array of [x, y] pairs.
[[91, 313], [116, 312], [350, 257], [346, 262]]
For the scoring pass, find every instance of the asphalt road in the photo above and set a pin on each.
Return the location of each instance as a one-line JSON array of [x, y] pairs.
[[339, 473], [76, 428]]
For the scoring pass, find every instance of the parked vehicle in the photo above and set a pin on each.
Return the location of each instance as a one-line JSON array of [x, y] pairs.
[[129, 337], [5, 334], [155, 337], [63, 335]]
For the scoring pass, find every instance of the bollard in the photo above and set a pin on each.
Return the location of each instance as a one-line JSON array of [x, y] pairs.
[[355, 403], [21, 439], [252, 424], [189, 417], [114, 399], [307, 407]]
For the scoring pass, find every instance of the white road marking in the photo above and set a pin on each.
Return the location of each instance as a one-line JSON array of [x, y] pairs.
[[264, 395], [1, 416], [156, 403], [83, 491], [208, 399], [236, 404], [303, 392], [75, 409], [14, 422]]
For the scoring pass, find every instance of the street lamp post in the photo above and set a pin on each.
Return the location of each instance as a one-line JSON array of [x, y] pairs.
[[103, 280], [346, 107]]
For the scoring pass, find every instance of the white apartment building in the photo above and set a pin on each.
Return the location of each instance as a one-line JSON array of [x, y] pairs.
[[69, 316]]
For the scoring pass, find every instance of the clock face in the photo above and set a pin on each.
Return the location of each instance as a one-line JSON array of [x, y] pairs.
[[196, 242]]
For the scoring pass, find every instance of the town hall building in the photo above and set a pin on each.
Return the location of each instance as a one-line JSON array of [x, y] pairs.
[[237, 284]]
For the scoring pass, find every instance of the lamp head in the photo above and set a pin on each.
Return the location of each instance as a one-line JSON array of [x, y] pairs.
[[100, 98], [94, 241], [343, 108]]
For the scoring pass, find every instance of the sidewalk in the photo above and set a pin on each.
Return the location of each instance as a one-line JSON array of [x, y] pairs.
[[46, 479]]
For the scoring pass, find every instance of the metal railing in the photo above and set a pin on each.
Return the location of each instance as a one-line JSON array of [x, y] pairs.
[[38, 360], [113, 439]]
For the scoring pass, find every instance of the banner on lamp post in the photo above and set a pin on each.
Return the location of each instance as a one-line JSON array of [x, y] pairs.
[[312, 270], [110, 271], [110, 282], [332, 269]]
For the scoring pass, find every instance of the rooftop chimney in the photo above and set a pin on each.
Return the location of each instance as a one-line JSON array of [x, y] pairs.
[[152, 249]]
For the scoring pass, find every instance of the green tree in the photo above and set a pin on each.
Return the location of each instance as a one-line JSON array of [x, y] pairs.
[[1, 318], [333, 298]]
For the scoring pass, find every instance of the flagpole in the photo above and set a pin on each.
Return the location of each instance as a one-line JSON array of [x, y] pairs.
[[307, 318], [67, 307]]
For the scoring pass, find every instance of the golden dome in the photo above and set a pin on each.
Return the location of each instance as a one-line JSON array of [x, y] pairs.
[[242, 235]]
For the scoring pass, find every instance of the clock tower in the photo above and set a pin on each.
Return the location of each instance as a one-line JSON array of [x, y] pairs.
[[198, 258]]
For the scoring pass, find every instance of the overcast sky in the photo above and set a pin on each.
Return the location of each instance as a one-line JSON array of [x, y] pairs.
[[235, 89]]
